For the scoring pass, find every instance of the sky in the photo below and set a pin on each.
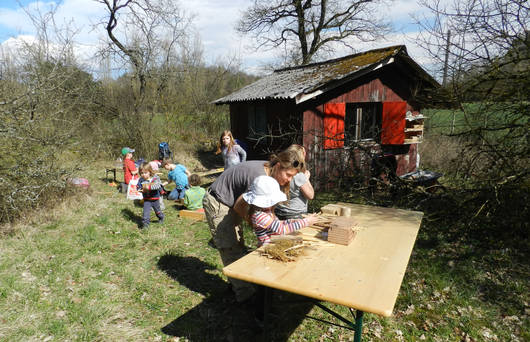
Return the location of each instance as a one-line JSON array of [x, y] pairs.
[[214, 22]]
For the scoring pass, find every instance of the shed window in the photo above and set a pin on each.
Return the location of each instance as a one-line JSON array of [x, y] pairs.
[[257, 120], [363, 121]]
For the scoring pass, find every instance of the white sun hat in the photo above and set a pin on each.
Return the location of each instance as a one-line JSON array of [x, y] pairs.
[[264, 192]]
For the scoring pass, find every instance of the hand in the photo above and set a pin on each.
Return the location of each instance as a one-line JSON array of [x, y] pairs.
[[307, 174], [312, 219]]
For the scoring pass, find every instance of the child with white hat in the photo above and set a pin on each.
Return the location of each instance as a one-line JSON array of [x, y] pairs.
[[263, 195]]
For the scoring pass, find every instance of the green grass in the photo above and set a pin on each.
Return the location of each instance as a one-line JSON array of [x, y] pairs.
[[476, 115], [86, 272]]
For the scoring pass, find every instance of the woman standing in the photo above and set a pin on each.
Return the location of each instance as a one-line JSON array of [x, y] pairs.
[[225, 207], [233, 154]]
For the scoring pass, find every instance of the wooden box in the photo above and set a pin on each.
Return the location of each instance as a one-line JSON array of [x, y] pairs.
[[193, 214], [341, 230], [331, 209]]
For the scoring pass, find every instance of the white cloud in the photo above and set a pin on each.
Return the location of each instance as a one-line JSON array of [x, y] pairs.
[[214, 21]]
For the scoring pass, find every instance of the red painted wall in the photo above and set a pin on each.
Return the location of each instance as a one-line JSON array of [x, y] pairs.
[[325, 163]]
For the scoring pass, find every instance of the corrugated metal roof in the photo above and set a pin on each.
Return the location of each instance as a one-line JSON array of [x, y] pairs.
[[305, 82]]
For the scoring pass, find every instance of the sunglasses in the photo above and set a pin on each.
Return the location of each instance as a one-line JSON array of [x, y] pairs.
[[296, 164]]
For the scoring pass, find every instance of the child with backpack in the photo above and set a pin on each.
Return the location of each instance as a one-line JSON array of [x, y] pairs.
[[149, 184]]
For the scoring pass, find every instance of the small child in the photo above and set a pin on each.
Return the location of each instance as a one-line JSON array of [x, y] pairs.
[[194, 195], [178, 174], [129, 167], [150, 184], [263, 195], [155, 164]]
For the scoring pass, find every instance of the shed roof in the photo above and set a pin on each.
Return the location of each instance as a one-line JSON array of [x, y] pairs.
[[307, 81]]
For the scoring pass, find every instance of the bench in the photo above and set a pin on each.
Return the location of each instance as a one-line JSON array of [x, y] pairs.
[[113, 169]]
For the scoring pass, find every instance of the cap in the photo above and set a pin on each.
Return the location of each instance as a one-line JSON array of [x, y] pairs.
[[126, 150], [264, 192]]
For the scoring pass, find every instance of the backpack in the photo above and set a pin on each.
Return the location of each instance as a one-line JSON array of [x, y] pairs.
[[163, 151]]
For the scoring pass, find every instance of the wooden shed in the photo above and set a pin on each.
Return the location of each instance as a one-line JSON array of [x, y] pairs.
[[351, 113]]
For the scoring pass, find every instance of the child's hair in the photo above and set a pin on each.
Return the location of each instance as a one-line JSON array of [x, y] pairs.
[[301, 154], [252, 209], [165, 162], [146, 167], [230, 144], [195, 180]]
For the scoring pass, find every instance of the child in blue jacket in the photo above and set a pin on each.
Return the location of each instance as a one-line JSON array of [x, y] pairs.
[[178, 174]]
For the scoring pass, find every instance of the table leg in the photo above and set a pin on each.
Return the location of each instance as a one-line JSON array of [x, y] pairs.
[[267, 303], [358, 326]]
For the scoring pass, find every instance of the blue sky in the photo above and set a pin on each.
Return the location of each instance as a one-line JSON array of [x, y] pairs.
[[214, 22]]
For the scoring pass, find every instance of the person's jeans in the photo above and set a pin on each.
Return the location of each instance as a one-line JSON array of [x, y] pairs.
[[176, 194], [148, 205]]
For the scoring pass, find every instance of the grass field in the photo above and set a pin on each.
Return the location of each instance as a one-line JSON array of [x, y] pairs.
[[85, 272], [473, 116]]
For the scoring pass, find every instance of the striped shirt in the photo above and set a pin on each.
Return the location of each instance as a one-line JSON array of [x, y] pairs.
[[266, 224], [153, 185]]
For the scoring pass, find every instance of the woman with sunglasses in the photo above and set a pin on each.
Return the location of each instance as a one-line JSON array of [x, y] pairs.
[[300, 190], [225, 207]]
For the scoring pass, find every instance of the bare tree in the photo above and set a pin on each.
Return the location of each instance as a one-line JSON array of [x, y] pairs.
[[308, 28], [146, 36], [145, 33], [488, 74], [48, 105]]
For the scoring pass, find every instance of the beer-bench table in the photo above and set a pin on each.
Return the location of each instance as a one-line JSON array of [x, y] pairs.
[[364, 276]]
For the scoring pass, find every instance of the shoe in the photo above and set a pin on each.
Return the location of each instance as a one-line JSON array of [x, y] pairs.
[[144, 227], [160, 221]]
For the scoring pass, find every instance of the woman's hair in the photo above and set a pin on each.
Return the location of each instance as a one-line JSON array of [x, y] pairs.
[[230, 144], [287, 159], [146, 167], [195, 180]]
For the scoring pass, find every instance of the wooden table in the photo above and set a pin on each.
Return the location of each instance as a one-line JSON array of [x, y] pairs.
[[365, 275]]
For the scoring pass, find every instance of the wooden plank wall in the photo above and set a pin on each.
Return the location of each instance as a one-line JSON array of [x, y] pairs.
[[326, 164]]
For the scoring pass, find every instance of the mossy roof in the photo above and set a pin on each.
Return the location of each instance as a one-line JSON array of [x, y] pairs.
[[302, 82]]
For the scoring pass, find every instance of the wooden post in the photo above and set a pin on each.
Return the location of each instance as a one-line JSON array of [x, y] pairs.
[[446, 62]]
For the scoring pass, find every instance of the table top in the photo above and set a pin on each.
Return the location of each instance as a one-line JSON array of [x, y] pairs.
[[365, 275]]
